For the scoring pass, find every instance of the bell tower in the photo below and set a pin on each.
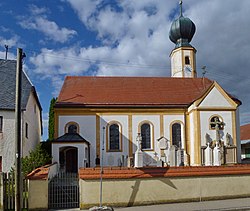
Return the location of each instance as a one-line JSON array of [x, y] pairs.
[[183, 59]]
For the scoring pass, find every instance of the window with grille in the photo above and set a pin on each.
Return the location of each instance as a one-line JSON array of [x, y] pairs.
[[176, 135], [146, 136], [114, 137]]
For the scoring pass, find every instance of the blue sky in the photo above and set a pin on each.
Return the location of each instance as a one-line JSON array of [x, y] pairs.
[[125, 38]]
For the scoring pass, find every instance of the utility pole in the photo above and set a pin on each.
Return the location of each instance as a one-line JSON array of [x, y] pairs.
[[18, 138], [6, 51]]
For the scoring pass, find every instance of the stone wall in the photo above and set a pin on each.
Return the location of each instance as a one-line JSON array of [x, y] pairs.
[[129, 187]]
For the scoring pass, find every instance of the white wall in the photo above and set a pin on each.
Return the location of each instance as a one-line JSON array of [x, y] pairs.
[[7, 140], [31, 116], [111, 158], [155, 120], [204, 120]]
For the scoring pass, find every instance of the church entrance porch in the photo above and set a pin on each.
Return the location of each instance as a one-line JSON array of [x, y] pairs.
[[68, 159], [71, 152]]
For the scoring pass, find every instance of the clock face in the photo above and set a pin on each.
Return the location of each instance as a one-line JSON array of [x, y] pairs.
[[187, 70]]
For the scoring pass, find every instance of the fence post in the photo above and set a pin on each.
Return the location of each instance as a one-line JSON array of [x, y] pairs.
[[1, 191]]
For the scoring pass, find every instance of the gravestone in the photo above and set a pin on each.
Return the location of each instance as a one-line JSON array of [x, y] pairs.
[[138, 154], [217, 155], [208, 156]]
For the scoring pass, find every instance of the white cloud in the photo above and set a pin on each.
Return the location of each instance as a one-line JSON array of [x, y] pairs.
[[10, 42], [39, 21]]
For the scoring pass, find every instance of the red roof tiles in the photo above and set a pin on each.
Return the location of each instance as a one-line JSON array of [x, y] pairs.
[[245, 132], [133, 91]]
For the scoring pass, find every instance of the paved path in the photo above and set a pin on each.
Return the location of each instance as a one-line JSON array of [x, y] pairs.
[[222, 205]]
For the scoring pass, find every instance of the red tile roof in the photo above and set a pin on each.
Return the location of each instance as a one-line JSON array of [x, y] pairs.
[[245, 132], [131, 91]]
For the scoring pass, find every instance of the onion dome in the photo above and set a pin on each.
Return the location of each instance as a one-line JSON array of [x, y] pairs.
[[182, 30]]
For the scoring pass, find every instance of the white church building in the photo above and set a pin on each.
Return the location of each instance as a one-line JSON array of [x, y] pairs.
[[148, 121]]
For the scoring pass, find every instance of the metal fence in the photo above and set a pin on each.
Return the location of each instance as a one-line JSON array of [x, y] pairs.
[[8, 180], [64, 191]]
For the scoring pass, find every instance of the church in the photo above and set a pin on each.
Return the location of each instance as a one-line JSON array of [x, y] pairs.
[[182, 120]]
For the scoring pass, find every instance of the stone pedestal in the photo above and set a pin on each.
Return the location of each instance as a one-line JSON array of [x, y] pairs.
[[138, 159]]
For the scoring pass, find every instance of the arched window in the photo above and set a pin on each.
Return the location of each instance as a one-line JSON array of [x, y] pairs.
[[146, 136], [216, 120], [114, 137], [187, 60], [71, 127], [176, 134]]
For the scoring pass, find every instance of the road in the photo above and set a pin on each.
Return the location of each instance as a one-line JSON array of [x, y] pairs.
[[222, 205]]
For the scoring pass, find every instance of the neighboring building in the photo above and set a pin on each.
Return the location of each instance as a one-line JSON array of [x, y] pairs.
[[181, 120], [245, 141], [31, 115]]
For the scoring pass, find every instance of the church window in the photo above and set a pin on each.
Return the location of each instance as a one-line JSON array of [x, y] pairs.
[[72, 127], [114, 137], [146, 136], [187, 60], [176, 135], [216, 120]]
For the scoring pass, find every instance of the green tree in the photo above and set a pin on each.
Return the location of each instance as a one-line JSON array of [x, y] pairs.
[[37, 158], [51, 128]]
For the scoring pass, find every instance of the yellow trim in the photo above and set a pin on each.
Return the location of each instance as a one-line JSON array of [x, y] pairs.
[[112, 111], [97, 135], [120, 136], [152, 135], [216, 109], [218, 87], [130, 136], [193, 64], [71, 123], [187, 133], [182, 64], [161, 126], [197, 141], [234, 128]]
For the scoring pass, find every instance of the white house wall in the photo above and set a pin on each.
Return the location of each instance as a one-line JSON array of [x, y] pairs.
[[7, 140], [87, 129], [31, 116]]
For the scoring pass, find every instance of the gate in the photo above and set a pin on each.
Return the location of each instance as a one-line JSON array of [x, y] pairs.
[[64, 191], [8, 180]]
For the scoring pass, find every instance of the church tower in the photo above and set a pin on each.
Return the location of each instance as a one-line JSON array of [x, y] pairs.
[[183, 63]]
